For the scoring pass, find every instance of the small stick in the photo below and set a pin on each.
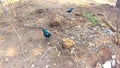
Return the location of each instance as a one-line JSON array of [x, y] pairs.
[[109, 23]]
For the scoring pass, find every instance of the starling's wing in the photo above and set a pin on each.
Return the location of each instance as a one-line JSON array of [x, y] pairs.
[[47, 34], [68, 11]]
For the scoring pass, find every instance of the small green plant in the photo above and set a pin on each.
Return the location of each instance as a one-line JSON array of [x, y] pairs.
[[94, 20]]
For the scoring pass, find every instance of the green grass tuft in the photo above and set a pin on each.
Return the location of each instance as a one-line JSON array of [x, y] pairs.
[[94, 20]]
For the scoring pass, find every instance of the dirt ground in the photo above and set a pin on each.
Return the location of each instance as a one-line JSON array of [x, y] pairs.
[[22, 44]]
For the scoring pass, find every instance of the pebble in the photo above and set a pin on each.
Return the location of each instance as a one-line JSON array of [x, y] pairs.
[[96, 28], [33, 65], [81, 34], [113, 56], [95, 49], [107, 31], [48, 43], [118, 62], [46, 66], [107, 64], [91, 44], [72, 37], [86, 66], [113, 63]]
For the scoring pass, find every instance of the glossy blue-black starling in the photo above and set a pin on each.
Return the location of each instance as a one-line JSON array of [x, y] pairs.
[[70, 10], [46, 34]]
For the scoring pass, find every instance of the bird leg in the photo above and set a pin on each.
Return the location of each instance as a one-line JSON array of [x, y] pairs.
[[48, 41]]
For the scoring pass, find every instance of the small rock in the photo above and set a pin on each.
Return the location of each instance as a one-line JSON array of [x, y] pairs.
[[113, 63], [118, 62], [96, 27], [91, 44], [46, 66], [48, 43], [86, 67], [33, 65], [67, 43], [113, 56], [107, 31], [95, 49], [107, 64]]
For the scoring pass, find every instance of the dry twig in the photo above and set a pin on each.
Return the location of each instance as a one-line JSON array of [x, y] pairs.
[[108, 23]]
